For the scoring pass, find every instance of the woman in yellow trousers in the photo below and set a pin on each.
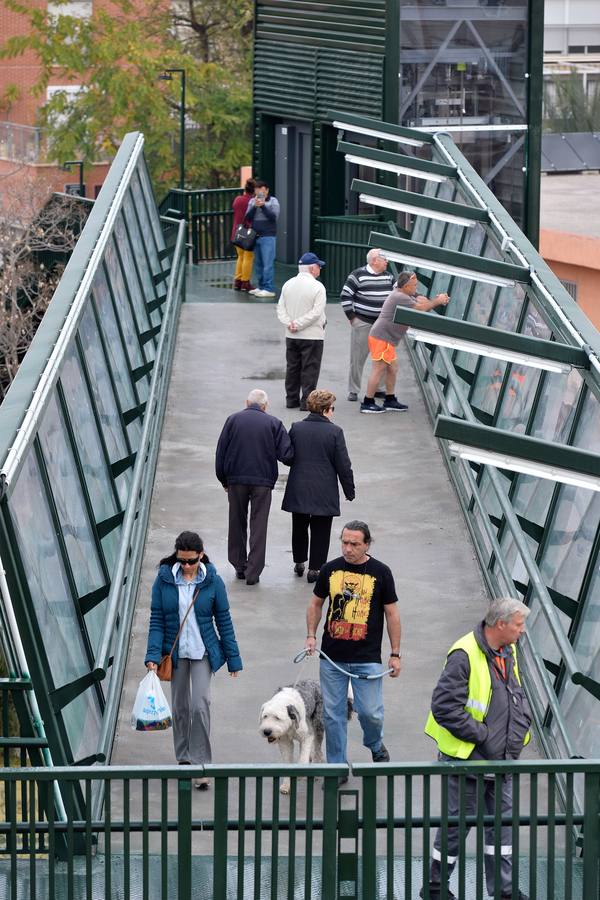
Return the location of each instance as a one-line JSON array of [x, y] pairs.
[[245, 258]]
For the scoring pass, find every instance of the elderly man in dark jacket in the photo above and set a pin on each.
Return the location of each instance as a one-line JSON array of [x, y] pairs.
[[479, 711], [312, 494], [250, 444]]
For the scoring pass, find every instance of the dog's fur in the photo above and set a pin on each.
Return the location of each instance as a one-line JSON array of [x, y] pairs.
[[295, 714]]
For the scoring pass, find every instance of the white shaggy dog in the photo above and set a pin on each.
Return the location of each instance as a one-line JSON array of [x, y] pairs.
[[295, 714]]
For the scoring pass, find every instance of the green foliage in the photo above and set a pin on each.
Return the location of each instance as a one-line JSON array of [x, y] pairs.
[[568, 108], [116, 59]]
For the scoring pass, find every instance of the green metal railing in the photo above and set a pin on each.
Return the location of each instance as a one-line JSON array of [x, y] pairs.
[[209, 219], [343, 242], [158, 838]]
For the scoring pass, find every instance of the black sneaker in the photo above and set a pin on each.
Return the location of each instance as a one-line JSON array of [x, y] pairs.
[[299, 569], [352, 396], [240, 573], [394, 405], [381, 755], [312, 575], [369, 406]]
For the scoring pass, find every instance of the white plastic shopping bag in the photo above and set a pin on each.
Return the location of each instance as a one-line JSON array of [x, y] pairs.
[[151, 711]]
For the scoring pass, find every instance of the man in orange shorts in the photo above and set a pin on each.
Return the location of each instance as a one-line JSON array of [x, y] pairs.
[[385, 336]]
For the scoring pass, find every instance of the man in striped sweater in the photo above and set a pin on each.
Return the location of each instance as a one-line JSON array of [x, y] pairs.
[[362, 297]]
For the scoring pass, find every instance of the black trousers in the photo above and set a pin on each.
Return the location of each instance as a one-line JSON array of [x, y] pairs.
[[258, 498], [320, 533], [303, 359]]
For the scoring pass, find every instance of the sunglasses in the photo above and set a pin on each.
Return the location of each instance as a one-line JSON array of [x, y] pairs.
[[188, 562]]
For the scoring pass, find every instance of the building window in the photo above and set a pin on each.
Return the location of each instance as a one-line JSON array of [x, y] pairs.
[[576, 48], [571, 288]]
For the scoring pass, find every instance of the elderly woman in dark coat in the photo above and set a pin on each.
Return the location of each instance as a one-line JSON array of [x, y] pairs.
[[312, 494]]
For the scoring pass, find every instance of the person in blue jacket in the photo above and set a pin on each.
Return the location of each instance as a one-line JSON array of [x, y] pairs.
[[184, 578]]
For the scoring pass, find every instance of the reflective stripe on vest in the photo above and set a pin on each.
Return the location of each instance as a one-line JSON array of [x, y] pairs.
[[478, 701]]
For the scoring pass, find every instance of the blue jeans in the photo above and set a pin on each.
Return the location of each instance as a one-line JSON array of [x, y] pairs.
[[368, 704], [264, 261]]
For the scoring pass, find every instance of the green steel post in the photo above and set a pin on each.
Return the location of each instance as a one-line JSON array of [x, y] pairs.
[[184, 840], [535, 90], [391, 69], [369, 844], [328, 878], [591, 834], [533, 835]]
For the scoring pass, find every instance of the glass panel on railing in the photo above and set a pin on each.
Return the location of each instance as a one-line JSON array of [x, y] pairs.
[[91, 454], [144, 252], [46, 576], [130, 273], [490, 374], [124, 313], [104, 398], [575, 701], [83, 721], [575, 520]]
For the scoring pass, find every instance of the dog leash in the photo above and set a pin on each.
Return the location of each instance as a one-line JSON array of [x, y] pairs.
[[302, 655]]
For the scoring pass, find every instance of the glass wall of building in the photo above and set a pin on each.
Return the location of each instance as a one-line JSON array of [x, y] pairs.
[[464, 64]]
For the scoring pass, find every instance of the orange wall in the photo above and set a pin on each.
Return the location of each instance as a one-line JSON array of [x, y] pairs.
[[576, 258]]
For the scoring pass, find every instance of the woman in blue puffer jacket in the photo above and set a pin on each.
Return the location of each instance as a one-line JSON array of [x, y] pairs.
[[184, 578]]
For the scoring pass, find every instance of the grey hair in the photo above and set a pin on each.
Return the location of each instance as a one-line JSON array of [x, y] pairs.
[[258, 396], [305, 268], [502, 609], [357, 525], [373, 252]]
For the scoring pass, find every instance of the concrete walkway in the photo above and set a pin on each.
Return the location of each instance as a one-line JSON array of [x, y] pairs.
[[403, 492]]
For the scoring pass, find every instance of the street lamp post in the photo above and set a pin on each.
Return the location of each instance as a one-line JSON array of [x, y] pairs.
[[67, 168], [167, 75]]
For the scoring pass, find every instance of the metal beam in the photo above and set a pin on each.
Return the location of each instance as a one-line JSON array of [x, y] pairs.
[[523, 447], [376, 128], [494, 337], [417, 166], [425, 256], [422, 203]]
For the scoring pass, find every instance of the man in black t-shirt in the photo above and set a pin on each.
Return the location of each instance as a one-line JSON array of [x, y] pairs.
[[362, 595]]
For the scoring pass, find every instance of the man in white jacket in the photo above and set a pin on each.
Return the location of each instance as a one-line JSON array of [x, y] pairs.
[[301, 308]]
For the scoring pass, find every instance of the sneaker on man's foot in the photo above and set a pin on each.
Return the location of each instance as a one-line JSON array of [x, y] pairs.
[[312, 575], [381, 755], [299, 569], [254, 291], [265, 294], [352, 396], [394, 405], [369, 406]]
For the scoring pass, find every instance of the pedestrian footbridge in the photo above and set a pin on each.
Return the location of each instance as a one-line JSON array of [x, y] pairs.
[[488, 486]]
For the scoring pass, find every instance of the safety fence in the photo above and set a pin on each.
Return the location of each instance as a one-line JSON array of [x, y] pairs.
[[371, 838], [209, 219]]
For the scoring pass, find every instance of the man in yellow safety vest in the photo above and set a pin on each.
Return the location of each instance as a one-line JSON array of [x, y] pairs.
[[479, 711]]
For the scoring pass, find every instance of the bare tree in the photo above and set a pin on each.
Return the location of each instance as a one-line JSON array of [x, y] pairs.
[[38, 230]]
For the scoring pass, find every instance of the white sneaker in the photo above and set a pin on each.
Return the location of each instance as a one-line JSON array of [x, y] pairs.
[[254, 291], [265, 294]]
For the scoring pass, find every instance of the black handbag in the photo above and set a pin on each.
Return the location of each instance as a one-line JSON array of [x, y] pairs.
[[244, 237]]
